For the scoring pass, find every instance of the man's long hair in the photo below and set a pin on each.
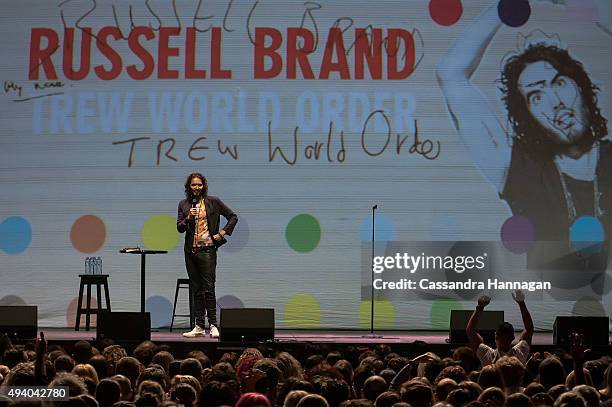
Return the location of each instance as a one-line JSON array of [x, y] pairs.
[[188, 184], [529, 135]]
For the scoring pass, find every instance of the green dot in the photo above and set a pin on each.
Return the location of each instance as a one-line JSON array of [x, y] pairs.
[[303, 233], [588, 307], [159, 233], [440, 312], [303, 311], [384, 314]]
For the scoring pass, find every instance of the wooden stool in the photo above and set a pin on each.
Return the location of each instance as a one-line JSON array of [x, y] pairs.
[[88, 280], [183, 283]]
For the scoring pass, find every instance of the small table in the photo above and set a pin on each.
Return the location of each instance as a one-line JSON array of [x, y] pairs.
[[143, 254]]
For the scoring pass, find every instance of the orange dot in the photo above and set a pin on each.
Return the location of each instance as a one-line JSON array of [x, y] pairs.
[[88, 234]]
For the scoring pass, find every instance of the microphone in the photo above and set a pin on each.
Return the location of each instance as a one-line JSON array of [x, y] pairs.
[[375, 207], [194, 203]]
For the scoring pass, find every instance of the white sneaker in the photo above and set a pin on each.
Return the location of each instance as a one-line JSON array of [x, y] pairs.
[[195, 332], [214, 332]]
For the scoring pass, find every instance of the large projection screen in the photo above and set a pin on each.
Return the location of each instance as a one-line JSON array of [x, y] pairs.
[[478, 128]]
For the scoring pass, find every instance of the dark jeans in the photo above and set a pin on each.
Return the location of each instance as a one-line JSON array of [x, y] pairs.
[[201, 268]]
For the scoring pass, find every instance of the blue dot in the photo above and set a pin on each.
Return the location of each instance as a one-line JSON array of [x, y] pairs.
[[446, 228], [160, 309], [228, 301], [514, 13], [385, 231], [239, 238], [15, 235], [587, 235]]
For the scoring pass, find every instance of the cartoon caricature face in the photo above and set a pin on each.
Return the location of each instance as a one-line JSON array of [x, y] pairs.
[[554, 100]]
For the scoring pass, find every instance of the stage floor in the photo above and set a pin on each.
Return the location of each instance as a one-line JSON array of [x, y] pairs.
[[292, 336], [298, 342]]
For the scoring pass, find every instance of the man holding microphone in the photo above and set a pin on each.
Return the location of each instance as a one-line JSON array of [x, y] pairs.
[[199, 216]]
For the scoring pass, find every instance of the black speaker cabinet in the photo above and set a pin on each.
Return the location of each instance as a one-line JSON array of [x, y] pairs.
[[595, 330], [19, 321], [124, 326], [489, 321], [247, 324]]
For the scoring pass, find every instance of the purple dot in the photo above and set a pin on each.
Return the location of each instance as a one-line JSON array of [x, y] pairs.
[[514, 13], [228, 301], [517, 234], [239, 238]]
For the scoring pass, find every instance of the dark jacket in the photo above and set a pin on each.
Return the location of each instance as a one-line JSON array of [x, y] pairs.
[[214, 208]]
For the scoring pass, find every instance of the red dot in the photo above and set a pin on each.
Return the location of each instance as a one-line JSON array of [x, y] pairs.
[[88, 234], [445, 12]]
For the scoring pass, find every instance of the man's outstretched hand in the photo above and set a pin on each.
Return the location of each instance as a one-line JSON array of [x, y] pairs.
[[483, 301], [518, 296]]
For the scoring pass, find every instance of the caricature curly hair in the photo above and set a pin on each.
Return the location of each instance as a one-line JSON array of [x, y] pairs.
[[537, 143]]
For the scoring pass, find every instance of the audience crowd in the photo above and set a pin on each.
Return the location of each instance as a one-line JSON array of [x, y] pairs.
[[106, 375]]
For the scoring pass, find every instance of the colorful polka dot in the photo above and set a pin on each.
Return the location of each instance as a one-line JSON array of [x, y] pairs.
[[384, 229], [303, 233], [384, 314], [514, 13], [160, 309], [15, 235], [587, 235], [11, 300], [445, 12], [228, 301], [302, 311], [446, 228], [588, 307], [517, 234], [239, 238], [159, 233], [88, 234], [72, 308], [440, 312]]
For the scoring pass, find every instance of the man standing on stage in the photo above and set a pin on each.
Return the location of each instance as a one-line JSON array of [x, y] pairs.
[[198, 215]]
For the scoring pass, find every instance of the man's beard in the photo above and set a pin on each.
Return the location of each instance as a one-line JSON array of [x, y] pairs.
[[574, 144], [567, 141]]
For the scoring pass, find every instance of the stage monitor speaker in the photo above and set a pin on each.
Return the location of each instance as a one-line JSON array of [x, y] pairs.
[[488, 323], [247, 324], [124, 326], [595, 330], [19, 321]]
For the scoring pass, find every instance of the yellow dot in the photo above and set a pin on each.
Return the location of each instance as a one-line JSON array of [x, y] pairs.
[[159, 233], [303, 311], [384, 314]]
